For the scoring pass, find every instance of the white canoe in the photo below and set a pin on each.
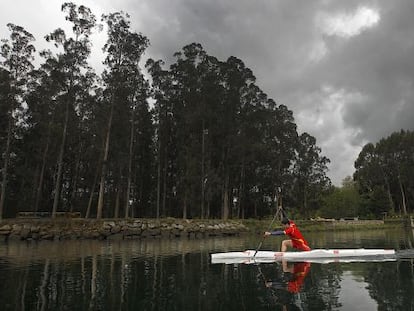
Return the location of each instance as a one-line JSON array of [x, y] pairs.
[[316, 255]]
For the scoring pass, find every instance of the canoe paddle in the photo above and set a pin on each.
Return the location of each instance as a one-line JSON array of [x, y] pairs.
[[268, 229]]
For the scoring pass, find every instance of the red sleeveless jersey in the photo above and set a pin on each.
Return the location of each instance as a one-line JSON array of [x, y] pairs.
[[298, 241]]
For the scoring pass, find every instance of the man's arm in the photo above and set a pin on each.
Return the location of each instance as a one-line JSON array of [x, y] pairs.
[[277, 232]]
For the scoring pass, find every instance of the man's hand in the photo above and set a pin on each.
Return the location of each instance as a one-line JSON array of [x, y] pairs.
[[267, 233]]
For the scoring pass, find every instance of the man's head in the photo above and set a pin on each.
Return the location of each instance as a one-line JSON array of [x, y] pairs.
[[285, 221]]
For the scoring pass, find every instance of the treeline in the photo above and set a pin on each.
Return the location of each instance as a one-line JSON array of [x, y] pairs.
[[384, 174], [382, 184], [197, 139]]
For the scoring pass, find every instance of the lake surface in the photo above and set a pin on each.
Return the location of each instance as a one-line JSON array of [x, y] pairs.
[[178, 275]]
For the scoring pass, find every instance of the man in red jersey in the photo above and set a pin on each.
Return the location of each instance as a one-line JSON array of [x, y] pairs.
[[296, 238]]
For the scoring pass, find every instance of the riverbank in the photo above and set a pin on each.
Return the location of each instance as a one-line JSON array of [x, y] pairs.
[[123, 229], [118, 229]]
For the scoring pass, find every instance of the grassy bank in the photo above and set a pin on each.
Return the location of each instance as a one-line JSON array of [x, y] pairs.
[[259, 226]]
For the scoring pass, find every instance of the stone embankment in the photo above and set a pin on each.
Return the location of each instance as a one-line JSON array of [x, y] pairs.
[[75, 229]]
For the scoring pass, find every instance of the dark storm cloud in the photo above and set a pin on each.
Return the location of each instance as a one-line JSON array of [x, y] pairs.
[[380, 64]]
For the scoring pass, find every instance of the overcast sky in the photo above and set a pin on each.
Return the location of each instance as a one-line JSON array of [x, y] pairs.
[[345, 68]]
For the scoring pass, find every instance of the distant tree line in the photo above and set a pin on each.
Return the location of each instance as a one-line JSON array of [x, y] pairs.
[[382, 184], [384, 174], [196, 139]]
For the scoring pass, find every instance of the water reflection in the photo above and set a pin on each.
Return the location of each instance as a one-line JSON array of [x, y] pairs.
[[354, 292], [177, 275], [285, 288]]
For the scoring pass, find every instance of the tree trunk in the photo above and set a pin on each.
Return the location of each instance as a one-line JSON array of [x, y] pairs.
[[164, 168], [104, 164], [35, 184], [75, 178], [392, 207], [185, 204], [158, 178], [92, 190], [202, 172], [5, 167], [240, 203], [255, 209], [117, 199], [402, 195], [226, 197], [129, 181], [60, 162], [305, 199], [208, 210], [164, 186], [42, 170]]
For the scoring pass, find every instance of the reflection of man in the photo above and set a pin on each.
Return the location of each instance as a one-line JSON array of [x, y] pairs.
[[295, 275], [298, 273]]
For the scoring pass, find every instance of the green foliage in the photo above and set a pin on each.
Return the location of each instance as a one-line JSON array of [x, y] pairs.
[[384, 174], [343, 202], [15, 65], [211, 144]]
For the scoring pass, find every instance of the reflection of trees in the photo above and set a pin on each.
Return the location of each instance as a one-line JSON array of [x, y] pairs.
[[144, 276], [42, 303], [392, 285], [104, 281], [107, 282], [323, 287]]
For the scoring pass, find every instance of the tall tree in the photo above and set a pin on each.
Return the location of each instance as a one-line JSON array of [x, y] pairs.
[[225, 135], [73, 63], [18, 56], [383, 173], [124, 49], [310, 168], [187, 78], [237, 80], [162, 93]]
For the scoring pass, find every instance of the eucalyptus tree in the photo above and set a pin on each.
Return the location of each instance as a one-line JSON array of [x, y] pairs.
[[396, 152], [45, 122], [140, 145], [372, 179], [17, 54], [124, 85], [72, 62], [5, 85], [211, 94], [143, 194], [383, 173], [217, 127], [162, 89], [187, 74], [5, 92], [237, 79], [310, 173], [251, 117], [281, 143], [40, 133]]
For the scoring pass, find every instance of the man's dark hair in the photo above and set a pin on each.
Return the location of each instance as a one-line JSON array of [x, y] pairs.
[[285, 221]]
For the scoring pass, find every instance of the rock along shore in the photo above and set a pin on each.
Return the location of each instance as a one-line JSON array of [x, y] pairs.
[[119, 229]]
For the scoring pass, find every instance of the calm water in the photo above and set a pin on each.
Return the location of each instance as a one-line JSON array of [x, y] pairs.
[[178, 275]]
